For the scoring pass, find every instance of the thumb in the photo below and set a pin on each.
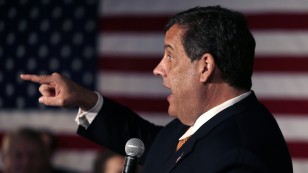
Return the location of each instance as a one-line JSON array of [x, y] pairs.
[[51, 101]]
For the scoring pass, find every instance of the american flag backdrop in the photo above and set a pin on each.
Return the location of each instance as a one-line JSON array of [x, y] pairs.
[[113, 45]]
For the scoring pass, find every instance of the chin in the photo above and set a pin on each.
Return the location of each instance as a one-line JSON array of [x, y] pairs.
[[171, 112]]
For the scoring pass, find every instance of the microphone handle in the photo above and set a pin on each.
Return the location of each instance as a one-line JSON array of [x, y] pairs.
[[130, 164]]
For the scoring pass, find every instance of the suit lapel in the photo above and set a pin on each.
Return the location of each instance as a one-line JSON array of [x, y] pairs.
[[169, 150], [173, 160]]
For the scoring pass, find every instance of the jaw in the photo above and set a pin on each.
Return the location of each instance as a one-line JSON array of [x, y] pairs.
[[184, 111]]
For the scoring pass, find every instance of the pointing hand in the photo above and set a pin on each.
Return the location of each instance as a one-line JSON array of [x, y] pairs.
[[58, 90]]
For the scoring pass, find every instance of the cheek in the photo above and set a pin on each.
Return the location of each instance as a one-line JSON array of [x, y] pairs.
[[186, 82], [183, 82], [182, 90]]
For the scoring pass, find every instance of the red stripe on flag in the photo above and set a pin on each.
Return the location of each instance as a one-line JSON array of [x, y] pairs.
[[298, 149], [151, 23], [146, 63], [280, 21], [75, 142], [128, 63], [281, 64], [286, 106], [70, 142], [133, 23]]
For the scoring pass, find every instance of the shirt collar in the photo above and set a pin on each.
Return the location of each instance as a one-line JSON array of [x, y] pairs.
[[211, 113]]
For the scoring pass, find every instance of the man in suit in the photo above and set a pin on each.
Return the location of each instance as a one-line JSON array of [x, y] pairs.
[[207, 65]]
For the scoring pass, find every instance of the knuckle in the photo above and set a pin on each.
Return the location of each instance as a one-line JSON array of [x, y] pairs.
[[56, 75], [42, 89]]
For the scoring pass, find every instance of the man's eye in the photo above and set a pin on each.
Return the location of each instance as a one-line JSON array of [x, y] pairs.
[[170, 58]]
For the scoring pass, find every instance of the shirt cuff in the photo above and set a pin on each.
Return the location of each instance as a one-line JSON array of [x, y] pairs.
[[85, 118]]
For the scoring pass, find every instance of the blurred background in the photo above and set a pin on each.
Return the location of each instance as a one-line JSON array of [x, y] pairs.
[[112, 46]]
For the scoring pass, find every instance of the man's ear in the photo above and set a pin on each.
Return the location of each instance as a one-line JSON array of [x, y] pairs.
[[206, 67]]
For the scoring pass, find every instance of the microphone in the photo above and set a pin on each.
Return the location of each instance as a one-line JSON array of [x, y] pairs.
[[134, 149]]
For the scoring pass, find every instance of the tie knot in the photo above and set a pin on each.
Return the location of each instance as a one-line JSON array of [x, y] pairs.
[[182, 142]]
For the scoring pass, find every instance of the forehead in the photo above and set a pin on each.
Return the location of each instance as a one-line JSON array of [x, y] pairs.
[[173, 37]]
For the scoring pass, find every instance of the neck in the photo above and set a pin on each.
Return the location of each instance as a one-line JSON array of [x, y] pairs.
[[215, 95]]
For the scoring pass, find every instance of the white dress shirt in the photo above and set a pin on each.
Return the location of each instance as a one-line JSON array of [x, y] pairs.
[[211, 113], [85, 118]]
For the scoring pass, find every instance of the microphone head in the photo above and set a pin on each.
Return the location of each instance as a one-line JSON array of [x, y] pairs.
[[134, 147]]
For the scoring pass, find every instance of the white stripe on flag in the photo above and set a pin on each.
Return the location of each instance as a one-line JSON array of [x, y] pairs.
[[150, 43], [267, 43], [281, 42], [300, 165], [81, 161], [293, 127], [141, 7], [280, 85], [57, 121], [131, 84], [275, 85]]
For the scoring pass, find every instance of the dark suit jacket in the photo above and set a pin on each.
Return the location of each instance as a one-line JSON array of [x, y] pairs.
[[243, 138]]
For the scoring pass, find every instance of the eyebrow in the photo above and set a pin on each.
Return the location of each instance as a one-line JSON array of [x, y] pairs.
[[168, 46]]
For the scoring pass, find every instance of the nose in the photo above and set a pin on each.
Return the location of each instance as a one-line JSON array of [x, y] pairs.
[[158, 70]]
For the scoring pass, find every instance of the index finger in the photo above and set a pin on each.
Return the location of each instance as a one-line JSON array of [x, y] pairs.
[[41, 79]]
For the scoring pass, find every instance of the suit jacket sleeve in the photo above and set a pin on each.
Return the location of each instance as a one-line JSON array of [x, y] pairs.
[[116, 124]]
